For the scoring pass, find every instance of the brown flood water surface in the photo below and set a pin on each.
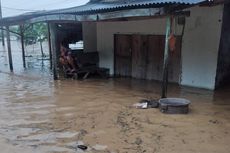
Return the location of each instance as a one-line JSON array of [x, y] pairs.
[[40, 115]]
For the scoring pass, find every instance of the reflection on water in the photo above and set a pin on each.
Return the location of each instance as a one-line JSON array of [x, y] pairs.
[[55, 116]]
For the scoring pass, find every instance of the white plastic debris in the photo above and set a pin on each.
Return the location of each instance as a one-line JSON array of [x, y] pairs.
[[141, 105]]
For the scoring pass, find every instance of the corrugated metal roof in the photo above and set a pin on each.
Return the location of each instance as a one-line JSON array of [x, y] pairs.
[[100, 7], [106, 5]]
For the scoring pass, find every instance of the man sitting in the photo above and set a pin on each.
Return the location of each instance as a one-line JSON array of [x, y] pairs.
[[66, 59]]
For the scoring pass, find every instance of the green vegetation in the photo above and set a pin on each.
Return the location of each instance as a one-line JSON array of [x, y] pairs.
[[36, 33], [33, 33]]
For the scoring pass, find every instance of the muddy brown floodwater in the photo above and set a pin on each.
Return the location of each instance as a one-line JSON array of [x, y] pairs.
[[40, 115]]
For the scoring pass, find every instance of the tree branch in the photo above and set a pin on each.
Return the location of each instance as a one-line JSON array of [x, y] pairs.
[[10, 31]]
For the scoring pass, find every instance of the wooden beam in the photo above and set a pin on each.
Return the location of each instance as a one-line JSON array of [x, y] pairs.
[[3, 38], [50, 48], [53, 30], [4, 29], [23, 47], [2, 32], [145, 12], [166, 58], [9, 48]]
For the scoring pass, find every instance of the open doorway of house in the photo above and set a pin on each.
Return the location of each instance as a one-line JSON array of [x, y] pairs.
[[71, 33]]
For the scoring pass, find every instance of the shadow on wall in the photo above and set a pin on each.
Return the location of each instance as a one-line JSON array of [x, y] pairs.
[[223, 67]]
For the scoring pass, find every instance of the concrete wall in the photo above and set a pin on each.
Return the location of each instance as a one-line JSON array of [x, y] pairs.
[[199, 46], [223, 69], [89, 36], [106, 31]]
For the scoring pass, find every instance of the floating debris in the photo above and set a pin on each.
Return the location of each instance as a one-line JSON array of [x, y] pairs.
[[82, 147], [99, 147], [145, 103]]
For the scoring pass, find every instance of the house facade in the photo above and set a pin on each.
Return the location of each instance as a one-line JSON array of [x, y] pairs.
[[130, 37], [197, 63]]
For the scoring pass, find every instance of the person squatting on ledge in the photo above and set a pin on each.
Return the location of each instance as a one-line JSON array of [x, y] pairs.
[[66, 59]]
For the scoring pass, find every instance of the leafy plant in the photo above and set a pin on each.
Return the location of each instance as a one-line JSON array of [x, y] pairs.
[[36, 33], [33, 33]]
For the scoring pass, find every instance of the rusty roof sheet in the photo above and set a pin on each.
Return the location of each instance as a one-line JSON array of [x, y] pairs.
[[100, 6], [107, 5]]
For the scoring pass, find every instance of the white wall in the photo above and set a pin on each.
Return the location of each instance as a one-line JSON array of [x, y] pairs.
[[106, 31], [200, 47], [89, 30], [200, 43]]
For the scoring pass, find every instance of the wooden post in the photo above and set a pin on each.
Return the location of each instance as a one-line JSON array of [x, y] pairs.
[[42, 52], [2, 32], [54, 49], [166, 58], [9, 48], [3, 38], [49, 43], [23, 47]]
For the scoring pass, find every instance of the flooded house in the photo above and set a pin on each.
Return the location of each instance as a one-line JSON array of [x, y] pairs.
[[130, 37], [185, 42]]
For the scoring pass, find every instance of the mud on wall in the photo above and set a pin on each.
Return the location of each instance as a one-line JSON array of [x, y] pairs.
[[199, 46], [223, 67]]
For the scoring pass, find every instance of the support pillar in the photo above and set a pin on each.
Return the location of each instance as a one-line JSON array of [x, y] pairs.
[[23, 46], [3, 37], [2, 32], [50, 48], [53, 30], [166, 58], [9, 48]]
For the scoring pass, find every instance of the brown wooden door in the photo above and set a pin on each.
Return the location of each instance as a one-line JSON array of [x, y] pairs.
[[156, 45], [139, 56], [155, 57], [123, 55], [174, 72]]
